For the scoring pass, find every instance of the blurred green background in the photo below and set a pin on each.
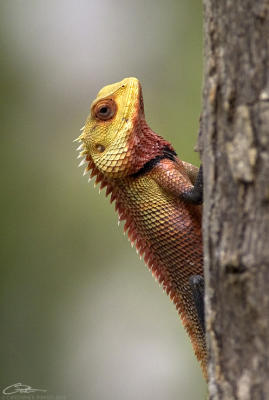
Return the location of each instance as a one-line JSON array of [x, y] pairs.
[[81, 316]]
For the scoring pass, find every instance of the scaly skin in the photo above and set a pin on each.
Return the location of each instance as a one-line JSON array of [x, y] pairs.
[[145, 178]]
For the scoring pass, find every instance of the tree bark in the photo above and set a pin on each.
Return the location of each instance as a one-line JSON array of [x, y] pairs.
[[235, 154]]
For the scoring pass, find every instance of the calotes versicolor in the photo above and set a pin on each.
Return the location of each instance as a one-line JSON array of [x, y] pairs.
[[154, 194]]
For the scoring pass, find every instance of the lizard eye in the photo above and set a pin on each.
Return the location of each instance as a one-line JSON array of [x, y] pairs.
[[105, 109]]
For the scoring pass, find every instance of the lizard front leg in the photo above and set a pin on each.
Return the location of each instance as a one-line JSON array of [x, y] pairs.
[[195, 194]]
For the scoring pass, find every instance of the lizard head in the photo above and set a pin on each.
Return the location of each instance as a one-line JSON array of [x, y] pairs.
[[116, 139], [108, 129]]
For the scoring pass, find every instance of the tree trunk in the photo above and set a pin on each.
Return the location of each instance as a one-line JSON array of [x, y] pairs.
[[235, 154]]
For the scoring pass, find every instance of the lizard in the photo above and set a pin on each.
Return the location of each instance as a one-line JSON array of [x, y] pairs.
[[155, 193]]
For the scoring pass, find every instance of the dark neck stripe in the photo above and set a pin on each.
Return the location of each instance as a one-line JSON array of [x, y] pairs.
[[167, 153]]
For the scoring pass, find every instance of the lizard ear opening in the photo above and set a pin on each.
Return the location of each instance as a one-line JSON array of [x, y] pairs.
[[100, 148], [105, 109]]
